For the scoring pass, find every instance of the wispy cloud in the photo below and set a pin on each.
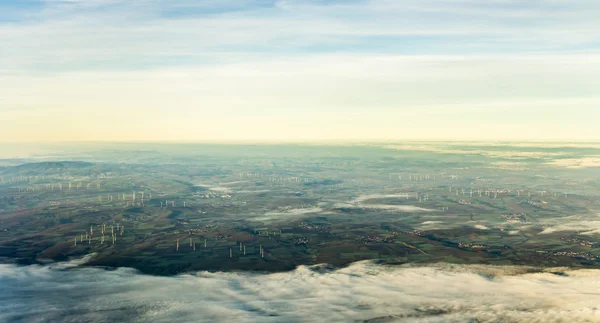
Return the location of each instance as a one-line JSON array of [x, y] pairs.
[[75, 35]]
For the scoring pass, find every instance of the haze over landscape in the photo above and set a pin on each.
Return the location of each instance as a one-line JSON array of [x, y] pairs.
[[299, 161]]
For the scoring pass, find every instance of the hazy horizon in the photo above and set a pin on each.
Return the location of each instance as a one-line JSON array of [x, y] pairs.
[[308, 142]]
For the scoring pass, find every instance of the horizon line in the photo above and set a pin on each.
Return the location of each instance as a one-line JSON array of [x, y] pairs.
[[313, 141]]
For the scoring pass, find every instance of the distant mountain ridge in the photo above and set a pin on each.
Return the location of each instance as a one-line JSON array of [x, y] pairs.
[[50, 165]]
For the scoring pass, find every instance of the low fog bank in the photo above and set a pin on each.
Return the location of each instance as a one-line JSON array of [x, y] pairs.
[[362, 292]]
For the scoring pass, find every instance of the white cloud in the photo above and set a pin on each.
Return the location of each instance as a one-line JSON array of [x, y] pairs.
[[287, 215], [363, 291], [359, 202], [590, 161], [582, 225]]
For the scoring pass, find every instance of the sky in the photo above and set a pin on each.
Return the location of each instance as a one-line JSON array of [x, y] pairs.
[[299, 70]]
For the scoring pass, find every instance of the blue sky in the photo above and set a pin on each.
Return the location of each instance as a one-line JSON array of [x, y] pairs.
[[300, 70]]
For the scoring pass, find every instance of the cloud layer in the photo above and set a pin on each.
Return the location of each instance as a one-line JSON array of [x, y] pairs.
[[363, 291]]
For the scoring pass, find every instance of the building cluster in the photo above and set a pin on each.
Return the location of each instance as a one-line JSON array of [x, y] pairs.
[[301, 241], [199, 229], [211, 195], [376, 239], [416, 233], [521, 217], [532, 203], [12, 197], [571, 254], [266, 232], [578, 241], [471, 245], [318, 228], [269, 233], [222, 237]]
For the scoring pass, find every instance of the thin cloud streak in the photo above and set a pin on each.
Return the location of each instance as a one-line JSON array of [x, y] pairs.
[[71, 36]]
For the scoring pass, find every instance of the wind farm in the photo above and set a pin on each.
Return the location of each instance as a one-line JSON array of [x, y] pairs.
[[268, 209]]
